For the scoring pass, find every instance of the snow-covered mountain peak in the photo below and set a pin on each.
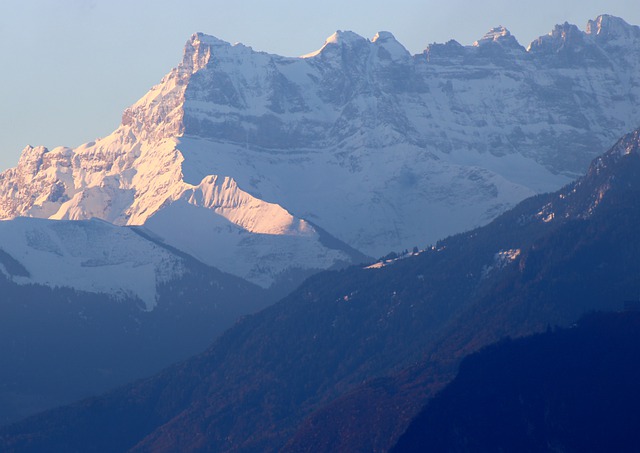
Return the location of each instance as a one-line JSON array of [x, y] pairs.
[[34, 159], [197, 51], [383, 36], [223, 196], [563, 37], [444, 52], [493, 35], [340, 39], [202, 50], [389, 47], [605, 30], [346, 37], [242, 150], [200, 38], [498, 35], [31, 158], [612, 30]]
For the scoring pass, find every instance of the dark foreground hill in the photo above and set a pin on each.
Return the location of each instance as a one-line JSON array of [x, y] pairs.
[[361, 351], [570, 390]]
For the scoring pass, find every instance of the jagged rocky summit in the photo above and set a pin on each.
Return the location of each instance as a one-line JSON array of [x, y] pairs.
[[260, 164]]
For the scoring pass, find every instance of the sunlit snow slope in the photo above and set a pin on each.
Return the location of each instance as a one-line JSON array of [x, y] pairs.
[[236, 154], [92, 256]]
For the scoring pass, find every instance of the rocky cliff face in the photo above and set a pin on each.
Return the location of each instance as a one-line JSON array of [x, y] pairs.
[[238, 150]]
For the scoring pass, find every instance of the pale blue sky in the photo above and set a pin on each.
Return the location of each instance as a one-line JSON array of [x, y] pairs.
[[71, 66]]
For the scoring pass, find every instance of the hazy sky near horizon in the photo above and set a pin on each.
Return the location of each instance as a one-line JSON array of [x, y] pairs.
[[72, 66]]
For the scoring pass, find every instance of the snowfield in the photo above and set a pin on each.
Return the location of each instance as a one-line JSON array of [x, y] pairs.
[[91, 255], [236, 154]]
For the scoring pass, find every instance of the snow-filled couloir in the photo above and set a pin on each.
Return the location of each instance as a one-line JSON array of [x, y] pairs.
[[239, 157]]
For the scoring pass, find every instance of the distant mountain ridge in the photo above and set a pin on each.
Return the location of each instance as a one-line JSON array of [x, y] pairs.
[[236, 153], [544, 263], [361, 350]]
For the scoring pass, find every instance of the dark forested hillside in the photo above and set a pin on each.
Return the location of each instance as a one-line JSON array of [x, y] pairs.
[[570, 390]]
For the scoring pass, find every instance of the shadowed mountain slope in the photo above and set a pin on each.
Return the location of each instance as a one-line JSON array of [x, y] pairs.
[[570, 390], [362, 350]]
